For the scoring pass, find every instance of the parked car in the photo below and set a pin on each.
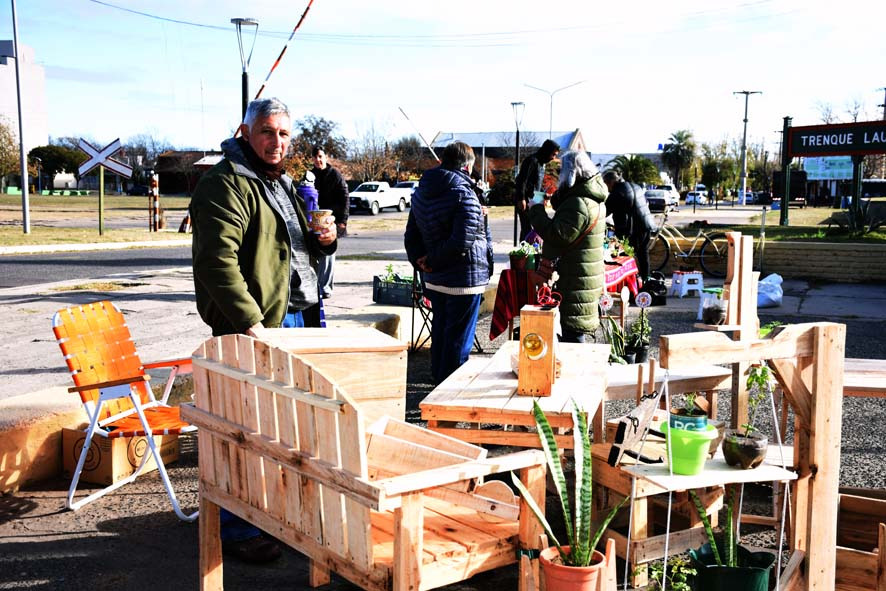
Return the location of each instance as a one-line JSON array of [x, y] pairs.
[[696, 198], [138, 190], [658, 200], [672, 192], [411, 185], [749, 197], [376, 195]]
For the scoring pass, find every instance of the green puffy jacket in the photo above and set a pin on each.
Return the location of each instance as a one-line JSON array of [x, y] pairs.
[[581, 267], [241, 248]]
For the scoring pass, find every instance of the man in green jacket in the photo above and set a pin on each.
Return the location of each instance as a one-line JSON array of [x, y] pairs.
[[254, 258]]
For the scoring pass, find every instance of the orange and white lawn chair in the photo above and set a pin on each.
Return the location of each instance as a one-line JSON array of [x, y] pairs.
[[112, 384]]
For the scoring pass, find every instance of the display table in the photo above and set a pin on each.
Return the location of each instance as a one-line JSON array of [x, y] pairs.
[[515, 290], [481, 394], [864, 377]]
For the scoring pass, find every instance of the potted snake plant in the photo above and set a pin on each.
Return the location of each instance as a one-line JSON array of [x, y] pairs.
[[728, 567], [573, 565]]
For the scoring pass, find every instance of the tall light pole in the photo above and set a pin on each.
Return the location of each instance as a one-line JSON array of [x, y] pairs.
[[551, 94], [518, 117], [23, 159], [744, 145], [239, 23]]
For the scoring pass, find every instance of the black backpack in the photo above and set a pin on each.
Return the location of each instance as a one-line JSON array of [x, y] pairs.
[[655, 286]]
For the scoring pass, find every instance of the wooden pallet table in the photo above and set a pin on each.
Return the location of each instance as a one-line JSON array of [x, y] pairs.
[[864, 377], [478, 403]]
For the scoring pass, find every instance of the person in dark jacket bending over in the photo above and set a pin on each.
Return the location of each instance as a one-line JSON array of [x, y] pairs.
[[631, 217], [575, 236], [333, 194], [529, 180], [253, 256], [447, 239]]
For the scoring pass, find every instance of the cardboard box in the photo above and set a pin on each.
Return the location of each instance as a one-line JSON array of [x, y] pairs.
[[110, 460]]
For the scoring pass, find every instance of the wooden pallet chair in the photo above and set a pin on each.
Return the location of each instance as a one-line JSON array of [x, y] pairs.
[[386, 506], [114, 389]]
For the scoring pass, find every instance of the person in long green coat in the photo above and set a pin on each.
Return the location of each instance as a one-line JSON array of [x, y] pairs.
[[574, 237]]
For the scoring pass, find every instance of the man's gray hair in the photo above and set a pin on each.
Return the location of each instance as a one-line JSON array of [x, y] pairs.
[[575, 165], [262, 109]]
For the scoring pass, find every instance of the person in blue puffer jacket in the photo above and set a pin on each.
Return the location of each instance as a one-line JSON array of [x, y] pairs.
[[448, 240]]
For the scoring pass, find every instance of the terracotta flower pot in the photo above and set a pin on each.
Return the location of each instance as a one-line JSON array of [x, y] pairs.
[[559, 577], [746, 452]]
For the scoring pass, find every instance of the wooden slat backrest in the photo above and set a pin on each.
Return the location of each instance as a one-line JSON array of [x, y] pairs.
[[331, 433], [97, 347]]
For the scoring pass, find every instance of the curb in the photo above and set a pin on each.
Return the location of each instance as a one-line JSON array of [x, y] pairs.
[[39, 248]]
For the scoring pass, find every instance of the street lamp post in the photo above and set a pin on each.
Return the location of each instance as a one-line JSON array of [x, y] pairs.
[[551, 94], [744, 145], [239, 23], [518, 117]]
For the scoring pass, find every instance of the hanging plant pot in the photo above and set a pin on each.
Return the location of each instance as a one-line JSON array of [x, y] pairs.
[[744, 451], [681, 419], [559, 577], [688, 450], [752, 574]]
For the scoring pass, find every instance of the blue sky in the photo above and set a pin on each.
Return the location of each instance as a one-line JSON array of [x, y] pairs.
[[649, 67]]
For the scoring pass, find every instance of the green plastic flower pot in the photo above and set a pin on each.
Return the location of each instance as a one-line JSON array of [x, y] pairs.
[[752, 574], [688, 450]]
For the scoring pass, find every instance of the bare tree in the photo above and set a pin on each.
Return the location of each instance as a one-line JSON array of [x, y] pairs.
[[371, 156], [529, 143], [9, 151], [855, 109], [826, 112]]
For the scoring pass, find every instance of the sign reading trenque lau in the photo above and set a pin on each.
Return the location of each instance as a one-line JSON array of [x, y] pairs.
[[867, 137]]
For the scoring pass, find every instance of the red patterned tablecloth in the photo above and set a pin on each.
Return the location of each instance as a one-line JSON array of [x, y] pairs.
[[515, 291]]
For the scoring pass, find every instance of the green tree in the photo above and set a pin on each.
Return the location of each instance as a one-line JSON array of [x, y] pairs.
[[317, 131], [56, 159], [410, 154], [9, 151], [635, 169], [679, 153]]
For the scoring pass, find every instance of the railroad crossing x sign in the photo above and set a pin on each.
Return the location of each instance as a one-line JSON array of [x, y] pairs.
[[103, 157]]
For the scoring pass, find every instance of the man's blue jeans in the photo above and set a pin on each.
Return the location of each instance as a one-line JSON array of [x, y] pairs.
[[234, 529], [452, 331]]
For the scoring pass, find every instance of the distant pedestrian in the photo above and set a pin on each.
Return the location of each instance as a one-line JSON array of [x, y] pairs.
[[333, 194], [448, 240], [530, 179], [631, 217]]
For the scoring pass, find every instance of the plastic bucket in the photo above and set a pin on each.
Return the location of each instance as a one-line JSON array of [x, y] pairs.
[[688, 422], [688, 450]]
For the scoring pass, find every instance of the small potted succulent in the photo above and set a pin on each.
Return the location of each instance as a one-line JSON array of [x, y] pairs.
[[745, 447]]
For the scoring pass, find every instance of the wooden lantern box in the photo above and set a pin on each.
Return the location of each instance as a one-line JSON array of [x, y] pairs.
[[368, 364]]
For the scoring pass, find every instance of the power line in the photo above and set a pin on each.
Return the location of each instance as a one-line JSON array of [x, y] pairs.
[[469, 40]]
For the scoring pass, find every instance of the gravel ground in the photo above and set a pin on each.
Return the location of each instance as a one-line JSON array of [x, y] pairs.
[[130, 539]]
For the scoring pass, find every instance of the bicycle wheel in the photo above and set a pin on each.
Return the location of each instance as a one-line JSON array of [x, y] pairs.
[[714, 255], [659, 253]]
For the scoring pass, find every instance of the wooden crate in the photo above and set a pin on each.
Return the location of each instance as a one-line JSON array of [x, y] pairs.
[[368, 364], [861, 544]]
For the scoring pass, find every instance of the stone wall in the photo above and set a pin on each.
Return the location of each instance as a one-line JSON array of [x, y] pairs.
[[823, 261]]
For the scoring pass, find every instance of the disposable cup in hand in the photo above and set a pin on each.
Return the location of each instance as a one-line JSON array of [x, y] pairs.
[[319, 218]]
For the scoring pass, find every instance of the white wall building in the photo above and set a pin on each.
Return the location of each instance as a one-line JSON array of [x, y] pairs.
[[33, 85]]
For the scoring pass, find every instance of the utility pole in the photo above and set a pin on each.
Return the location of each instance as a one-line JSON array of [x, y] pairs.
[[239, 23], [26, 214], [518, 117], [744, 144]]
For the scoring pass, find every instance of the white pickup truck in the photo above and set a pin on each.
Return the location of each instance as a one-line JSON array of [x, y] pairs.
[[373, 196]]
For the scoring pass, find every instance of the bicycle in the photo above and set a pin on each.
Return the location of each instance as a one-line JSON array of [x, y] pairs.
[[712, 248]]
